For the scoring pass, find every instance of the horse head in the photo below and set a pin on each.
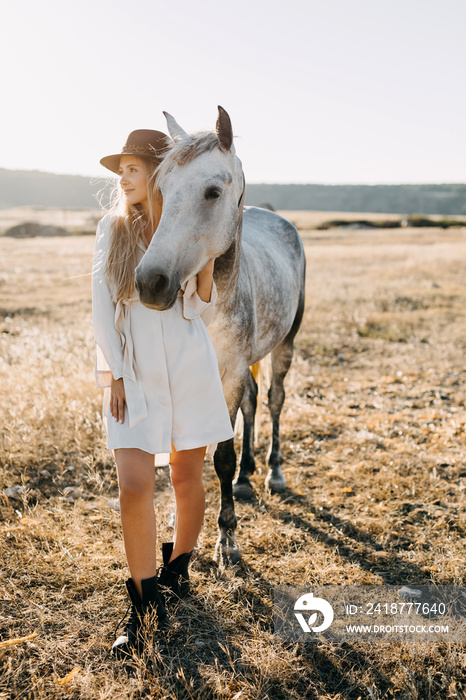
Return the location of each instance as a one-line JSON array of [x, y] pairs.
[[202, 185]]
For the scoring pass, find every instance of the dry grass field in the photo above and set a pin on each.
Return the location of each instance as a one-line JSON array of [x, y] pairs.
[[373, 436]]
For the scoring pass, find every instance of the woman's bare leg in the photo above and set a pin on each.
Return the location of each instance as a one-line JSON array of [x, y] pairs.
[[136, 480], [186, 475]]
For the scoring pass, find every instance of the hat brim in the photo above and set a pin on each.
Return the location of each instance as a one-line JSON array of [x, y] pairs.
[[113, 162]]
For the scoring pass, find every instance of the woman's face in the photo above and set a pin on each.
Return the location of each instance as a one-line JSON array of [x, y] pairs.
[[133, 180]]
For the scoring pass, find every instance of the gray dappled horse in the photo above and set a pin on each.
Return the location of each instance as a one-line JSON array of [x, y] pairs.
[[259, 273]]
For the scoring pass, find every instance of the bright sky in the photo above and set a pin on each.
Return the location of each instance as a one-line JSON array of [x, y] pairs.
[[318, 91]]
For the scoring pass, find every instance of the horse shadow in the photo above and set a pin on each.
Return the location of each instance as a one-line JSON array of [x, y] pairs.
[[347, 539]]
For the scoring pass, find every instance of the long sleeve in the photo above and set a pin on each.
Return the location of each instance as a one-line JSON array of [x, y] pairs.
[[193, 306], [108, 341]]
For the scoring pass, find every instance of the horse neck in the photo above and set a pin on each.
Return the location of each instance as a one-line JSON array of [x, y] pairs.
[[226, 271]]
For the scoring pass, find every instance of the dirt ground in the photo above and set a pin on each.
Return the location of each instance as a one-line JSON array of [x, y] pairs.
[[373, 438]]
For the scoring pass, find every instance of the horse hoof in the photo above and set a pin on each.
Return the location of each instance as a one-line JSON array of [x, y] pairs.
[[229, 558], [242, 490], [227, 552], [274, 483]]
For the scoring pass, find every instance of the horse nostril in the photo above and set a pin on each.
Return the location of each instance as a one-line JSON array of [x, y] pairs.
[[155, 289], [152, 286], [158, 285]]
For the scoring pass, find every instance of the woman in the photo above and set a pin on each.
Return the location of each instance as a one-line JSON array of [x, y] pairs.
[[163, 399]]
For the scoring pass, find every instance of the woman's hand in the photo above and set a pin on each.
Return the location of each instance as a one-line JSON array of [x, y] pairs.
[[204, 281], [117, 399]]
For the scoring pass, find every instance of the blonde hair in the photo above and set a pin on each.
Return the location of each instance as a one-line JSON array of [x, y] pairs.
[[128, 228]]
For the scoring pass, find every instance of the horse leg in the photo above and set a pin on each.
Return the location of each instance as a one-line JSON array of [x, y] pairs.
[[226, 549], [242, 487], [281, 361]]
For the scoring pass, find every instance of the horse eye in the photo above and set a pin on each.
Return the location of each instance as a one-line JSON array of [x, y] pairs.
[[212, 193]]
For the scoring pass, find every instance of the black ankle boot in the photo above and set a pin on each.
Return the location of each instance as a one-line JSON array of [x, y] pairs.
[[152, 603], [174, 576]]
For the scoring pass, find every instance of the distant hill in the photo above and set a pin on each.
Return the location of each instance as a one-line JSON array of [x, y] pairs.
[[384, 199], [35, 188]]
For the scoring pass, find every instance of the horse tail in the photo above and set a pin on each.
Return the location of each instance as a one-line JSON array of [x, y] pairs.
[[256, 372], [261, 372]]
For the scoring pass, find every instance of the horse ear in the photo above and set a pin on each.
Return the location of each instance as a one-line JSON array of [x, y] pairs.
[[224, 130], [174, 129]]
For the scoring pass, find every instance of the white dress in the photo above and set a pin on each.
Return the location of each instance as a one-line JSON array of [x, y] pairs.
[[168, 363]]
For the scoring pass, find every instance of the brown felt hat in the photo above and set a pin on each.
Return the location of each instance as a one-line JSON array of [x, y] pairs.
[[144, 143]]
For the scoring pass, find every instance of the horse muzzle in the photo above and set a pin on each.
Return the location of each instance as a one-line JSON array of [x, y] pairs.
[[156, 290]]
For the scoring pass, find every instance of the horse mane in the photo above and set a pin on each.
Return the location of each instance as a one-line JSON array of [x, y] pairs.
[[185, 150]]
